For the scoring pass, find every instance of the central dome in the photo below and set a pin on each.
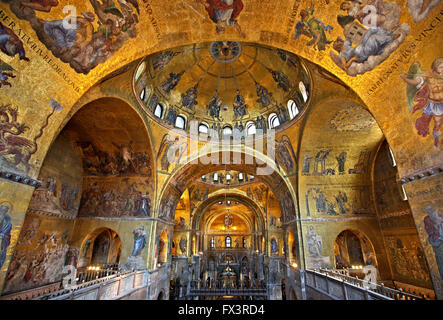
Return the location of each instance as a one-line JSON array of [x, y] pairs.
[[223, 85]]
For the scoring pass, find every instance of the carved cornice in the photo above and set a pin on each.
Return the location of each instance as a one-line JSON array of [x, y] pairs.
[[52, 214], [15, 177], [426, 173]]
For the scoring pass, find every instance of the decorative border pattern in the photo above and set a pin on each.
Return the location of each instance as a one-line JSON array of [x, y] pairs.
[[14, 177]]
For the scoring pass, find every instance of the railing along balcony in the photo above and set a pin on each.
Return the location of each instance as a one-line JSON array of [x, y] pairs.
[[326, 280], [86, 278], [223, 288]]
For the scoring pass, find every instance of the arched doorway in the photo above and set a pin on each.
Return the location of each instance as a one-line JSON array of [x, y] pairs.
[[102, 247], [352, 249], [162, 249]]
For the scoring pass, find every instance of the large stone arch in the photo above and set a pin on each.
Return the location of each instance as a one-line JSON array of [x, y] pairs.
[[216, 196], [174, 184]]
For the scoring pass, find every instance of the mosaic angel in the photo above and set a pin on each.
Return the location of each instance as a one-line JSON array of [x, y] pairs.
[[425, 92], [312, 27]]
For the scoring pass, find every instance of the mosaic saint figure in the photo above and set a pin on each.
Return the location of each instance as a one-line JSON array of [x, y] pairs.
[[189, 98], [320, 157], [5, 233], [70, 38], [171, 82], [320, 201], [153, 102], [239, 106], [261, 125], [434, 227], [274, 246], [145, 205], [341, 200], [258, 124], [182, 245], [171, 116], [264, 97], [282, 114], [306, 163], [425, 93], [215, 106], [140, 240], [238, 131], [281, 79], [374, 42], [341, 159]]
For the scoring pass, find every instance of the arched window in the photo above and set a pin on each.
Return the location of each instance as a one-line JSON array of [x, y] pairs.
[[228, 177], [159, 111], [204, 177], [216, 177], [213, 242], [240, 176], [203, 128], [394, 163], [403, 193], [273, 121], [140, 70], [143, 94], [243, 240], [303, 90], [250, 128], [227, 131], [293, 109], [180, 122], [228, 242]]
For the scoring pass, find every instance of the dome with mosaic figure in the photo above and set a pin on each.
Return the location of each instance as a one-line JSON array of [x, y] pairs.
[[225, 86]]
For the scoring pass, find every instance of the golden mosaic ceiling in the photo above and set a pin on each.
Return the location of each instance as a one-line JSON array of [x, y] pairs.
[[243, 80]]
